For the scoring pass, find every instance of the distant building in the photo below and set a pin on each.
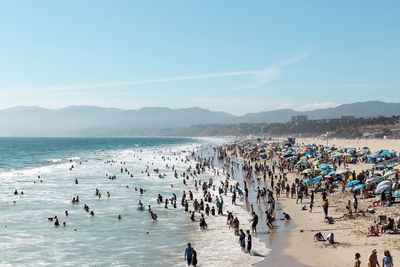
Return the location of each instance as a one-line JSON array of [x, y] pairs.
[[299, 119], [348, 118]]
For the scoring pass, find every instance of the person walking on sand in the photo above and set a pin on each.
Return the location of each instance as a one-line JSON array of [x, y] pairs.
[[189, 254], [387, 260], [357, 262], [325, 207], [373, 259]]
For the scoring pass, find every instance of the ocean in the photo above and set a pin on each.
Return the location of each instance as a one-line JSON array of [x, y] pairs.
[[45, 170]]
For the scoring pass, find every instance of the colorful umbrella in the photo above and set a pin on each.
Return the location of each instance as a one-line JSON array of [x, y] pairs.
[[358, 187], [325, 166], [352, 183], [374, 180], [396, 193], [382, 189], [314, 180]]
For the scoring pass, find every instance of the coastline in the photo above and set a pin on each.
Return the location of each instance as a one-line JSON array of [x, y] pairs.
[[294, 246], [218, 232], [277, 240]]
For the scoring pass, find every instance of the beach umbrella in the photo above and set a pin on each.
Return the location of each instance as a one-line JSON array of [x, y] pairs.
[[391, 172], [341, 171], [352, 183], [332, 172], [382, 189], [384, 183], [325, 172], [358, 187], [325, 166], [318, 169], [314, 180], [306, 171], [375, 180], [396, 193]]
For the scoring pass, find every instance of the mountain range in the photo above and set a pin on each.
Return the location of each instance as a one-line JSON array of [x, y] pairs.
[[98, 121]]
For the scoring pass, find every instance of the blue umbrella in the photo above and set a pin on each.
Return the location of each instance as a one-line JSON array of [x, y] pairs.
[[358, 187], [396, 193], [383, 189], [314, 180], [352, 183], [324, 166]]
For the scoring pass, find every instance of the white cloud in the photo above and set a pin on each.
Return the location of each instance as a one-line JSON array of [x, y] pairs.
[[317, 105], [260, 77], [286, 105]]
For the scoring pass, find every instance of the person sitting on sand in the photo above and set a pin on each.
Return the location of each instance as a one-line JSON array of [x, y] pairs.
[[373, 231], [389, 226], [286, 216], [319, 237], [331, 238]]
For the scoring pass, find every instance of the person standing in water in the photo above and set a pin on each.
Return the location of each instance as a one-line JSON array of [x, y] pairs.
[[254, 222], [242, 240], [194, 258], [248, 247], [189, 254]]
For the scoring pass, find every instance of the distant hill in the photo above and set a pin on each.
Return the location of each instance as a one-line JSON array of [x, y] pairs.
[[97, 121], [359, 109]]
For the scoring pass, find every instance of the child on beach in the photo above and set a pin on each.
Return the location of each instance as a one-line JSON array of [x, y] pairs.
[[357, 262]]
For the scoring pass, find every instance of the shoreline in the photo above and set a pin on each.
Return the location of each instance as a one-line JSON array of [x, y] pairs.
[[277, 240], [293, 244], [217, 225]]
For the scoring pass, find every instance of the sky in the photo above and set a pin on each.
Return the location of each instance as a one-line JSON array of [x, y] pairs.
[[233, 56]]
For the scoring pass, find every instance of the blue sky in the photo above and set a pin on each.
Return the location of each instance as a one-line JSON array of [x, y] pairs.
[[234, 56]]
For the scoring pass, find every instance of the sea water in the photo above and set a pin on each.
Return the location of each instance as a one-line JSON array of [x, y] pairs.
[[27, 238]]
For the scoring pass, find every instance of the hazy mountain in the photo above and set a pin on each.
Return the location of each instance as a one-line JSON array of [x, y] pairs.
[[97, 121], [89, 121]]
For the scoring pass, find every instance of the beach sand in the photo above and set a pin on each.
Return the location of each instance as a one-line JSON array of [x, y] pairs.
[[351, 234]]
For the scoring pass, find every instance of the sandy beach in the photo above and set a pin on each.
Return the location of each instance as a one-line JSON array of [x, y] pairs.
[[292, 242], [351, 234]]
